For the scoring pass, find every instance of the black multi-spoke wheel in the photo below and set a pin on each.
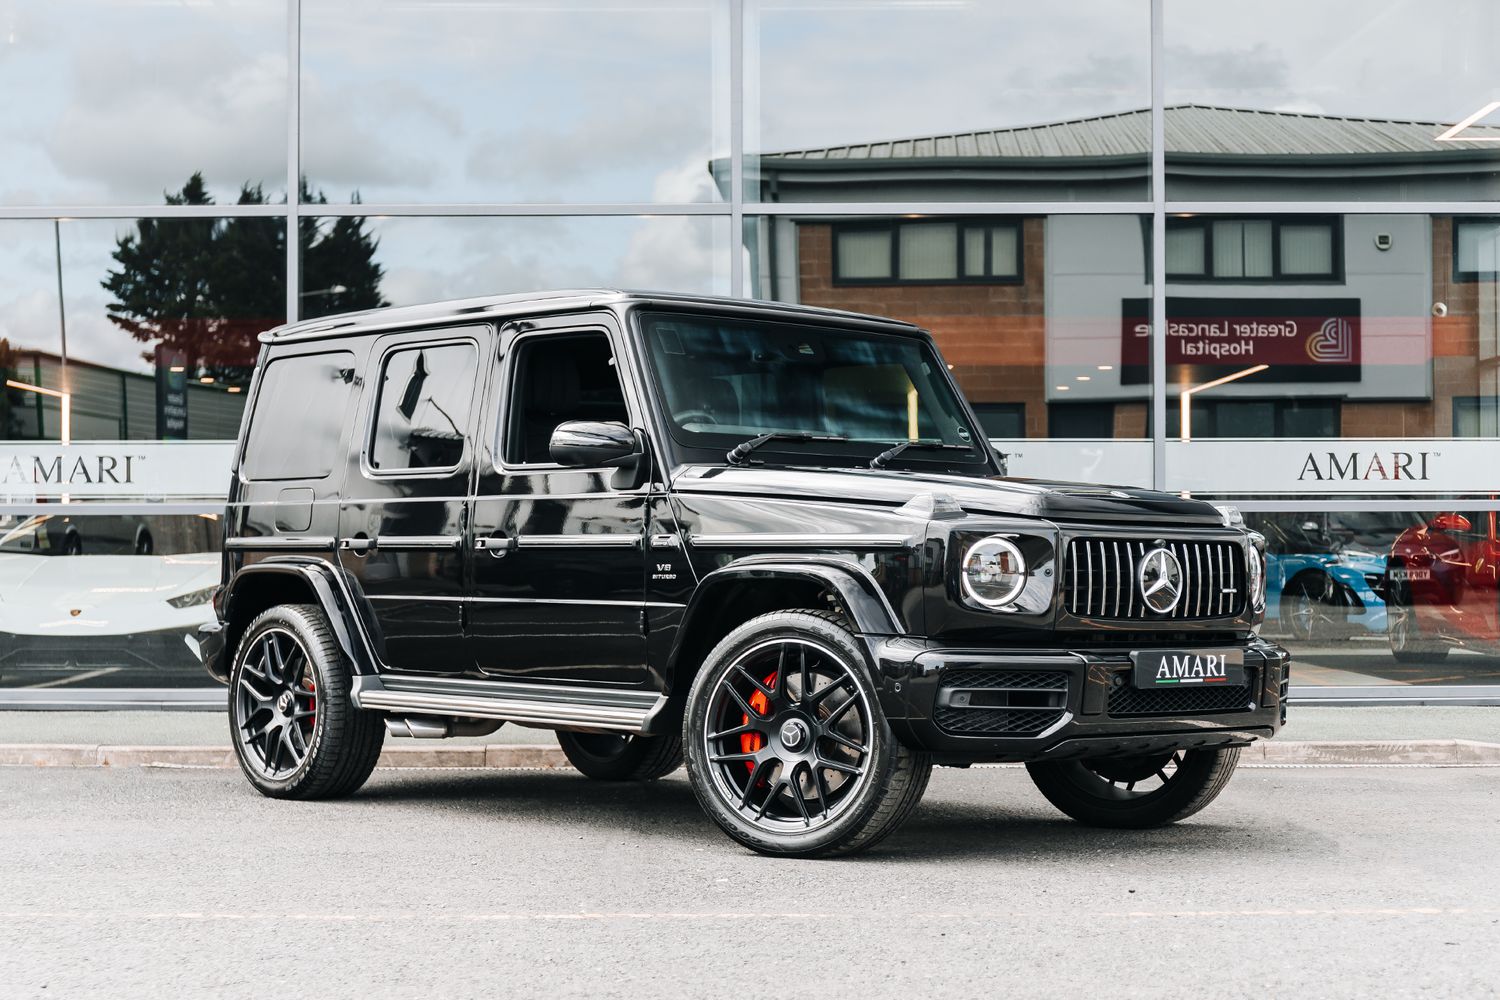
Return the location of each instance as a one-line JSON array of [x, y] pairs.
[[295, 731], [786, 745], [276, 702], [1136, 792], [621, 757]]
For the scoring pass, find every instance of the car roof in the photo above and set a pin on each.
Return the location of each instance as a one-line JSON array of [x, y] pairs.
[[561, 300]]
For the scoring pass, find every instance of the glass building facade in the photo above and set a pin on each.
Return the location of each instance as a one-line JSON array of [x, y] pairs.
[[1247, 253]]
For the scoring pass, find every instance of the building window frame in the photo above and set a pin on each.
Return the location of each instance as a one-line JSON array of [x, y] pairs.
[[1205, 224], [962, 226], [1460, 275]]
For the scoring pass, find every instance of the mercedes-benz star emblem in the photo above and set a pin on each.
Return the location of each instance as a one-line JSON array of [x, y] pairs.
[[1160, 578]]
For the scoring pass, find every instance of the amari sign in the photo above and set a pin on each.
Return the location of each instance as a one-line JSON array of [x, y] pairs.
[[1372, 467], [1302, 340], [125, 470]]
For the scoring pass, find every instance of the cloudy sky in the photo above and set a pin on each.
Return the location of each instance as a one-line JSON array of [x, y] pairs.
[[593, 101]]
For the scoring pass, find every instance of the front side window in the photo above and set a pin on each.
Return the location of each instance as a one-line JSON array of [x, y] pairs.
[[726, 381], [423, 409], [557, 378]]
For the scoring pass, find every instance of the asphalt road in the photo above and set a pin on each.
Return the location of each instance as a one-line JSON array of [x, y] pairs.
[[1306, 882]]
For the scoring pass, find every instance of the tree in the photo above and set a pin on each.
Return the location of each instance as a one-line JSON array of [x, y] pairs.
[[205, 288]]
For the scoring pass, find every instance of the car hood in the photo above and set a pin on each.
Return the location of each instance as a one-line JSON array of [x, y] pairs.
[[87, 595], [1060, 501]]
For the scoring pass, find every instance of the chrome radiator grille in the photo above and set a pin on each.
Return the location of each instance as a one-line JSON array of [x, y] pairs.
[[1100, 579]]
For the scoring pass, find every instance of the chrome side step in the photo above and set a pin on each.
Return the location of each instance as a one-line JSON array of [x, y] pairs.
[[540, 704]]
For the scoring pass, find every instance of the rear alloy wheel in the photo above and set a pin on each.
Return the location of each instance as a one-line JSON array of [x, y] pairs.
[[294, 727], [1136, 792], [621, 757], [786, 745]]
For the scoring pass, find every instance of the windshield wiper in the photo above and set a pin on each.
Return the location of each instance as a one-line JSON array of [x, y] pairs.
[[884, 458], [741, 451]]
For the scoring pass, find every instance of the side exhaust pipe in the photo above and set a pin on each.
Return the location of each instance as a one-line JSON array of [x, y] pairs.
[[436, 727]]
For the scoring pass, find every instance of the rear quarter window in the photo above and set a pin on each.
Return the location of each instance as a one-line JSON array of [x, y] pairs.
[[297, 425]]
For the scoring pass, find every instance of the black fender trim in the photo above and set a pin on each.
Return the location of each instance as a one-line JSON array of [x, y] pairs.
[[332, 593], [857, 590], [872, 616]]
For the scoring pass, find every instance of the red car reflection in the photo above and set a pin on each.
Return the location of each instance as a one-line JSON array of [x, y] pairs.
[[1441, 587]]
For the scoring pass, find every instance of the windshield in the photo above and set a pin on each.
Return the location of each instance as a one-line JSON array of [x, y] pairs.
[[726, 381]]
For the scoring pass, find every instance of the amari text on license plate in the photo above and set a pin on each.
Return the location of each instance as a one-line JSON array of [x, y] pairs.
[[1183, 667]]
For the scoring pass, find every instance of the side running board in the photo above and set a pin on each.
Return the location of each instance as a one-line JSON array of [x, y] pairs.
[[544, 704]]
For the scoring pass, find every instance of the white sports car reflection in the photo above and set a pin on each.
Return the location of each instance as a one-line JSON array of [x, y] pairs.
[[104, 612]]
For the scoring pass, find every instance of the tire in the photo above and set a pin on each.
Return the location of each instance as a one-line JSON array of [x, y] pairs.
[[618, 757], [1105, 792], [1405, 642], [818, 770], [145, 545], [73, 544], [293, 726]]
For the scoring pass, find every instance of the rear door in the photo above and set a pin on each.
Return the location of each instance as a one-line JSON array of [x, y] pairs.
[[558, 563], [403, 518]]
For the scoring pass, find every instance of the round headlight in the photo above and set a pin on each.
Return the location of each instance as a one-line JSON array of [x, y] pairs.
[[994, 571], [1255, 577]]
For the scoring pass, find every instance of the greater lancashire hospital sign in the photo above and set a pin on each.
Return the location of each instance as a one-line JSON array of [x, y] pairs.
[[117, 470], [1303, 340]]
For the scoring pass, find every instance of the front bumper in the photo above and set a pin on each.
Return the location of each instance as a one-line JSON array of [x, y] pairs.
[[969, 705]]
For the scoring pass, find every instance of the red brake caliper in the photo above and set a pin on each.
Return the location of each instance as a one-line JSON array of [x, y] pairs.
[[751, 742]]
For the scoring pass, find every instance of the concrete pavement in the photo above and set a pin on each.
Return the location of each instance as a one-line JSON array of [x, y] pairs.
[[1309, 883]]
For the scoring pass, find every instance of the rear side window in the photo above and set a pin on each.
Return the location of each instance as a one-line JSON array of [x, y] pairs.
[[422, 412], [298, 420]]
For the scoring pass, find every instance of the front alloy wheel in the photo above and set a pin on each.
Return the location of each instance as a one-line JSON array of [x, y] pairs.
[[1136, 792], [294, 728], [786, 746]]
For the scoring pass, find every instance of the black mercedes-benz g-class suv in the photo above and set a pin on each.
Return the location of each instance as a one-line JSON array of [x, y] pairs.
[[769, 540]]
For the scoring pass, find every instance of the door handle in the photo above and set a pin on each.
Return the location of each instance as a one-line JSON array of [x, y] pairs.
[[359, 545], [496, 545]]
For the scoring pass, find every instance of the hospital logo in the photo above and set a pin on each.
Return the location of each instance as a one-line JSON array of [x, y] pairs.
[[1333, 343]]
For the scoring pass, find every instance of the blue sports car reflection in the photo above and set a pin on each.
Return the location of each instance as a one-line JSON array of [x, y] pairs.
[[1318, 587]]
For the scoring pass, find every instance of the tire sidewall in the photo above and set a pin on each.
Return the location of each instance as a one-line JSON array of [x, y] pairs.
[[786, 625], [328, 676], [1074, 789]]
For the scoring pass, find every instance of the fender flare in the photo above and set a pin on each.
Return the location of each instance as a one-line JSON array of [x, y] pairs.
[[871, 612], [331, 592]]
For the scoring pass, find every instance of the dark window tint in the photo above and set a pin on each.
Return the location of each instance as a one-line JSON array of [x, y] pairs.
[[1259, 418], [423, 408], [299, 417], [557, 379]]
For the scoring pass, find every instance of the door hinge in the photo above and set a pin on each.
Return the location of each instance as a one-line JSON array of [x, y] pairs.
[[645, 625]]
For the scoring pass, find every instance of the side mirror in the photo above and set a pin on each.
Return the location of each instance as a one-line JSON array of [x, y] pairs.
[[593, 444], [1450, 522]]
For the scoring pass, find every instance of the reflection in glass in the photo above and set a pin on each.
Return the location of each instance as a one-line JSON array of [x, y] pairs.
[[101, 600], [1376, 328], [424, 259], [161, 319], [1036, 316], [885, 100], [112, 103], [1283, 100], [560, 102], [1377, 598]]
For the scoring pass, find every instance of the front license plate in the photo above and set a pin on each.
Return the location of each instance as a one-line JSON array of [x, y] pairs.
[[1155, 668]]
